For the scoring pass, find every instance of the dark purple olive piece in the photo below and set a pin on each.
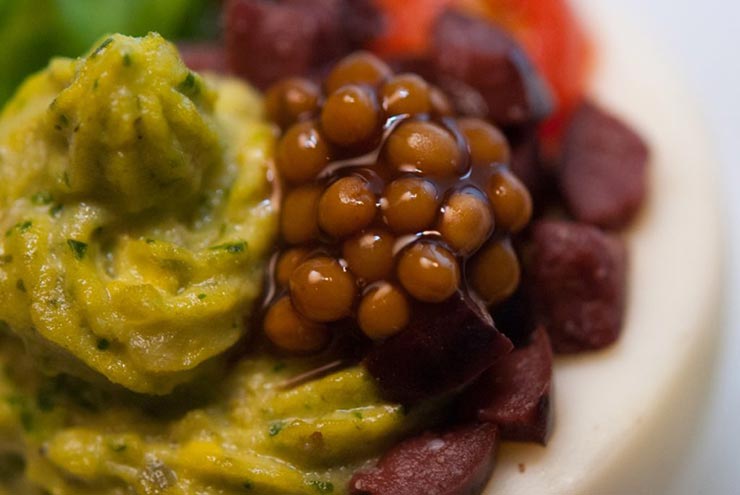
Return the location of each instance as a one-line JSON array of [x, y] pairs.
[[252, 29], [515, 317], [332, 37], [270, 40], [603, 177], [456, 462], [445, 348], [362, 21], [526, 162], [578, 278], [514, 393], [479, 63]]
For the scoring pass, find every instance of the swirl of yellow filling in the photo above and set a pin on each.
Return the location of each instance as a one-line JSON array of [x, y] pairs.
[[136, 213]]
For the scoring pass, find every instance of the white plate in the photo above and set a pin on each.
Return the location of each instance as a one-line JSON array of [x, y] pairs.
[[624, 416]]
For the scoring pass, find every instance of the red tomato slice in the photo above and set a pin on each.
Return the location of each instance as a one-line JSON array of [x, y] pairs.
[[554, 38], [408, 25], [548, 29]]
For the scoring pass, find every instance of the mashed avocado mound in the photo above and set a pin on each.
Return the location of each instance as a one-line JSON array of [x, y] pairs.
[[137, 214]]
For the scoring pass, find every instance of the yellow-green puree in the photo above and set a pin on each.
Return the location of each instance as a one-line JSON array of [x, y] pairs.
[[137, 215], [247, 436], [129, 186]]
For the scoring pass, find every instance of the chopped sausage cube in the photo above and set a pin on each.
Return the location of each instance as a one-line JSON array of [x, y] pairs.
[[514, 393], [206, 56], [268, 40], [444, 348], [603, 177], [456, 462], [578, 277], [480, 63]]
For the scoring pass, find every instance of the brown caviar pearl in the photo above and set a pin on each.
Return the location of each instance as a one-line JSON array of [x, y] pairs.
[[370, 255], [494, 272], [467, 221], [423, 147], [512, 204], [383, 311], [302, 153], [441, 104], [351, 116], [347, 206], [487, 143], [358, 68], [410, 205], [290, 331], [322, 290], [406, 94], [287, 263], [299, 217], [429, 272], [287, 101]]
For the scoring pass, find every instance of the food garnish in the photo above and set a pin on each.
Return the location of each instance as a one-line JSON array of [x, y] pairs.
[[429, 198]]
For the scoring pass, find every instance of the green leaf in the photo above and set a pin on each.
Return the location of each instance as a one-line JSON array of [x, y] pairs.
[[55, 210], [27, 40], [42, 198], [97, 51], [79, 248], [275, 428], [31, 32], [231, 247], [118, 447], [322, 486]]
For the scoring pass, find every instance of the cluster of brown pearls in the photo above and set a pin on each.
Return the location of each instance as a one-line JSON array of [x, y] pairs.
[[389, 202]]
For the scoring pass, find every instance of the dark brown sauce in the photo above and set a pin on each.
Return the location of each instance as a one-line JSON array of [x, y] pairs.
[[371, 167], [425, 187]]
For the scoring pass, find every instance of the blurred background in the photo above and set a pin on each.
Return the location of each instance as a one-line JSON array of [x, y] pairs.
[[700, 40], [31, 31]]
